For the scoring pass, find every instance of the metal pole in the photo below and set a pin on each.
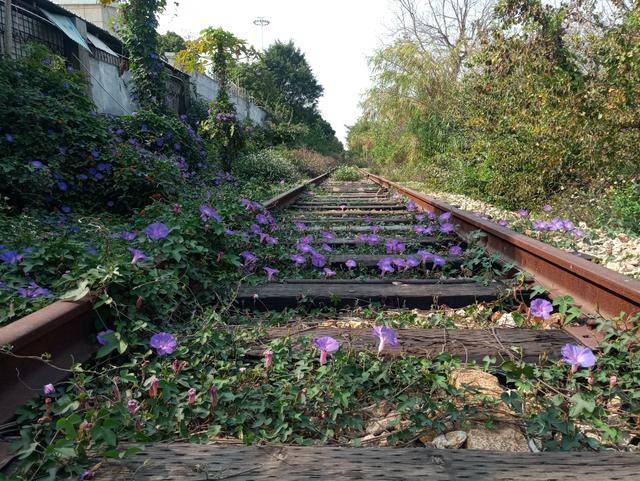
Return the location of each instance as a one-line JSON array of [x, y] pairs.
[[261, 22], [8, 28]]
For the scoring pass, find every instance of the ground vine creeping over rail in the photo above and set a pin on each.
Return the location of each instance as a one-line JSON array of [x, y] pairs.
[[213, 371]]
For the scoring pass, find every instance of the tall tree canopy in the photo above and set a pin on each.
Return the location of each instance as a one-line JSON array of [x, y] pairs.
[[282, 80]]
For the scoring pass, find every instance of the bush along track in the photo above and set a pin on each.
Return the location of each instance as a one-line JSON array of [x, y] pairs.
[[279, 334]]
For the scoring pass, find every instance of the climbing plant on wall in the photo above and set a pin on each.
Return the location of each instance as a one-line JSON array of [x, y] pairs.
[[139, 34], [217, 51]]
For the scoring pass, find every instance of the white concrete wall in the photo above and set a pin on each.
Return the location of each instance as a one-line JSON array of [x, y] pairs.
[[111, 93], [207, 89]]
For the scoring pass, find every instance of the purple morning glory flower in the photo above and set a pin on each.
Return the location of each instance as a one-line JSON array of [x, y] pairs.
[[350, 263], [411, 205], [547, 208], [128, 236], [420, 229], [207, 213], [394, 245], [439, 261], [255, 229], [556, 224], [578, 356], [455, 250], [137, 255], [104, 167], [301, 226], [540, 225], [270, 272], [102, 337], [385, 266], [63, 186], [9, 138], [412, 261], [541, 308], [447, 228], [164, 343], [262, 219], [11, 257], [328, 272], [523, 212], [65, 209], [443, 217], [503, 223], [36, 164], [329, 236], [327, 345], [318, 260], [33, 291], [420, 217], [326, 247], [298, 259], [248, 257], [386, 336], [156, 231]]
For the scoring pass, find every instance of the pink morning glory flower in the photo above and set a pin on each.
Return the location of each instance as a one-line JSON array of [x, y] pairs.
[[133, 406], [578, 356], [327, 345], [164, 343], [386, 337], [541, 308], [191, 396], [270, 272], [49, 389], [268, 358], [153, 386]]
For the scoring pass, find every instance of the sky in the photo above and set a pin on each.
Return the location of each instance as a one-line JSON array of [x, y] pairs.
[[337, 37]]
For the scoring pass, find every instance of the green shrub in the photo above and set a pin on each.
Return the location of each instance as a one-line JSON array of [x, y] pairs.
[[56, 151], [626, 207], [268, 165], [347, 173]]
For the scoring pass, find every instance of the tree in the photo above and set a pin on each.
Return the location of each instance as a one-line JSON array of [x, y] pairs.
[[283, 81], [171, 42], [446, 28], [217, 52], [140, 38]]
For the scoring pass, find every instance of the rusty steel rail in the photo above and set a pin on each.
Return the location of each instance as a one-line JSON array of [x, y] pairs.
[[289, 196], [64, 332], [596, 289], [61, 331]]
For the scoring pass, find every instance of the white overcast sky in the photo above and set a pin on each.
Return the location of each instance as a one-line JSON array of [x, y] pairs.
[[337, 36]]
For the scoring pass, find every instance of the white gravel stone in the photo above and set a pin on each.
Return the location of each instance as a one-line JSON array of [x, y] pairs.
[[619, 252]]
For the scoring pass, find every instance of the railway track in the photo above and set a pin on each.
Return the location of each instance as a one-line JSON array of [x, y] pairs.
[[374, 242]]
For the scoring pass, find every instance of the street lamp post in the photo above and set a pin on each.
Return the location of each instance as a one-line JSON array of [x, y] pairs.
[[261, 22], [8, 29]]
